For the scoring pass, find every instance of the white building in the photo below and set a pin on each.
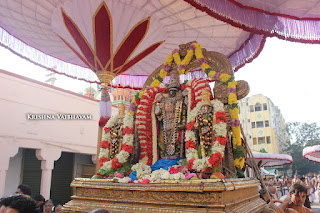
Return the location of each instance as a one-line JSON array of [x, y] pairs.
[[48, 136]]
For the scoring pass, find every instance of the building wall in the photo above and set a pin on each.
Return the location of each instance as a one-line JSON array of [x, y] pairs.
[[263, 124], [49, 137], [24, 96], [13, 174]]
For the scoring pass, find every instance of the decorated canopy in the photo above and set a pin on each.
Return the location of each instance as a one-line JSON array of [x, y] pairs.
[[312, 153], [269, 159], [51, 33]]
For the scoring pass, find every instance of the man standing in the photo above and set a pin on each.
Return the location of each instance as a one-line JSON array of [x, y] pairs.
[[298, 194], [24, 189]]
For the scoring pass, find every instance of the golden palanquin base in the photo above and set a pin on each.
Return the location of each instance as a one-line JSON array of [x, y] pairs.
[[209, 195]]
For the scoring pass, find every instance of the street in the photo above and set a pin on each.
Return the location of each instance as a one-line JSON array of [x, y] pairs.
[[316, 207]]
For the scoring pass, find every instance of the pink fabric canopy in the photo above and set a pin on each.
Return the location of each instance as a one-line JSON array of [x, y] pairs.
[[312, 153], [237, 29], [269, 159]]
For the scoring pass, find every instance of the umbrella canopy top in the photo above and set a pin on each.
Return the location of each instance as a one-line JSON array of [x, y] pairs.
[[236, 29], [269, 159], [312, 153]]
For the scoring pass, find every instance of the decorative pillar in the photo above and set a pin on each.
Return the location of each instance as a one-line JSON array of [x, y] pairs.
[[9, 149], [47, 157], [105, 114]]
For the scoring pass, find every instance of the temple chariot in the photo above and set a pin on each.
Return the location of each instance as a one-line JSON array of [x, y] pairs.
[[178, 147]]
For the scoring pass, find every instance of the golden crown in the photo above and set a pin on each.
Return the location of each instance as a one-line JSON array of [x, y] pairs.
[[206, 97]]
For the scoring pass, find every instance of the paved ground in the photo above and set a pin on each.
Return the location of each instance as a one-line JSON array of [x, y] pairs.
[[315, 207]]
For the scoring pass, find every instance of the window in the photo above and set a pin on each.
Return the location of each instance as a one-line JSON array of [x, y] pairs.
[[266, 123], [239, 110], [253, 125], [254, 141], [251, 108], [268, 139], [257, 107], [260, 140], [259, 124], [265, 107]]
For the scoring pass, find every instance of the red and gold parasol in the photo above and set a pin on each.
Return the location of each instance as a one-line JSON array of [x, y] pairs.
[[75, 35]]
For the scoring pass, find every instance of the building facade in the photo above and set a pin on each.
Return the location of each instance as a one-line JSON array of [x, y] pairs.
[[48, 136], [263, 124]]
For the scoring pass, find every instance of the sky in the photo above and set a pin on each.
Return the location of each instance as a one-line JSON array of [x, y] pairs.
[[286, 72]]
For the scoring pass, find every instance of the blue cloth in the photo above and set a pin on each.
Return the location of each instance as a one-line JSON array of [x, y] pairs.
[[133, 176], [163, 163]]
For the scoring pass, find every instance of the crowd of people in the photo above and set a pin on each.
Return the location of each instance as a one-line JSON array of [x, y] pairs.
[[291, 194], [22, 202]]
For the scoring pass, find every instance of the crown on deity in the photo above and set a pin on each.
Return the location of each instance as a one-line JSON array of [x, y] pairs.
[[121, 110], [174, 82], [205, 95]]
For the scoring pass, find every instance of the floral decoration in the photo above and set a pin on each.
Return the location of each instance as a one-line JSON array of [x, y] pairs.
[[110, 166], [232, 102], [217, 149]]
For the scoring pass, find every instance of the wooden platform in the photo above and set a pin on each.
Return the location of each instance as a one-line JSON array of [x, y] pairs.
[[210, 195]]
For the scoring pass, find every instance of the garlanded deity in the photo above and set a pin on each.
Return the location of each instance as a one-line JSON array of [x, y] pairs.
[[170, 111], [205, 124], [116, 132]]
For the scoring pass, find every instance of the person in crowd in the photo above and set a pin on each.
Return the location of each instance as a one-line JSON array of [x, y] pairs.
[[312, 188], [298, 194], [39, 199], [281, 204], [305, 183], [48, 205], [273, 191], [317, 185], [24, 189], [18, 203], [296, 180], [57, 208]]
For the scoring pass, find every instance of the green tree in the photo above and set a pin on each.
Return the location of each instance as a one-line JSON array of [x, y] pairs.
[[301, 135]]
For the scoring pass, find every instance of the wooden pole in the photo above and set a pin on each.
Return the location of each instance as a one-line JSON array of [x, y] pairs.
[[98, 148], [254, 166]]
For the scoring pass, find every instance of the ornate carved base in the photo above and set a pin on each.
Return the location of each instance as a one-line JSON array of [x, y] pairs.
[[210, 195]]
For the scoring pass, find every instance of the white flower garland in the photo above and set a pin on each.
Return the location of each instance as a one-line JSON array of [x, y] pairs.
[[123, 155], [220, 130]]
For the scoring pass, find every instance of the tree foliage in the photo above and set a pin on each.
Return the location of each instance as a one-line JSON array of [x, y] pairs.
[[302, 135]]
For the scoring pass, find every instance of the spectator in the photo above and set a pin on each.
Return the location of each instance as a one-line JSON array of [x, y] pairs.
[[48, 205], [305, 183], [39, 199], [57, 208], [298, 194], [278, 208], [24, 189], [18, 204]]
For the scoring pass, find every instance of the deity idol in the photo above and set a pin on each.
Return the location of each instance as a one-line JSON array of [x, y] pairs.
[[205, 124], [170, 111], [179, 130]]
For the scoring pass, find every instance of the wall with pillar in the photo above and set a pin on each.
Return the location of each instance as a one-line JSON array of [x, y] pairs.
[[13, 174], [25, 99]]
